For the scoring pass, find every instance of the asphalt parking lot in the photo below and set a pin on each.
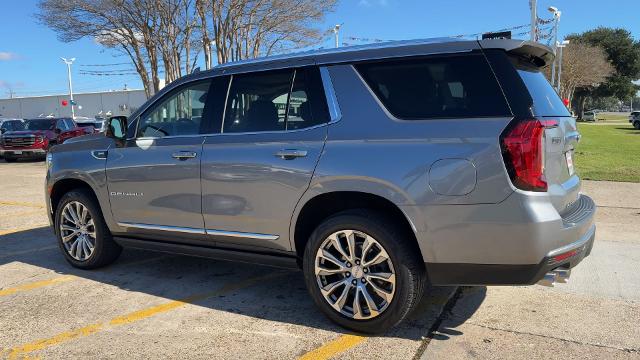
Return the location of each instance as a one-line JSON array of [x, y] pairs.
[[151, 305]]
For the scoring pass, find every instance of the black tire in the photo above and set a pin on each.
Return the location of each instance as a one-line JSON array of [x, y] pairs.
[[636, 125], [9, 159], [403, 252], [106, 251]]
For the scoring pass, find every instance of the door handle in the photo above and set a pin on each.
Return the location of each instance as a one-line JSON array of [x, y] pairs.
[[184, 155], [290, 154]]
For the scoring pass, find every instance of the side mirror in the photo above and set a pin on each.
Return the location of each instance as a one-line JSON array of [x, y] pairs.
[[117, 127], [57, 131]]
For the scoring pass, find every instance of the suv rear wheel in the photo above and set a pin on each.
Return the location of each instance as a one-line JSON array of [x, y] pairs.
[[636, 124], [82, 234], [362, 271]]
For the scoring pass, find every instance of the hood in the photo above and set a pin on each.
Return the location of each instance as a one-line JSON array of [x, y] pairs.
[[45, 133]]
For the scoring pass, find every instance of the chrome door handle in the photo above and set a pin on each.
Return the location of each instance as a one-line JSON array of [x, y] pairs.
[[290, 154], [184, 155]]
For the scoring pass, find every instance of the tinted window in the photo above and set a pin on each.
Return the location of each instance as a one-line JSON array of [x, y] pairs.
[[178, 113], [307, 105], [258, 102], [62, 125], [546, 101], [436, 87], [70, 123]]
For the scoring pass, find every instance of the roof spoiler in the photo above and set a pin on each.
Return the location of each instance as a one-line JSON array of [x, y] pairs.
[[536, 53]]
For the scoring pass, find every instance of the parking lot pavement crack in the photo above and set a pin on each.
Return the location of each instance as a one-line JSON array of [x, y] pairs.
[[442, 316], [627, 350]]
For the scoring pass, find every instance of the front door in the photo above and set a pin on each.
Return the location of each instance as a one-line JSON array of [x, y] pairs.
[[255, 171], [154, 178]]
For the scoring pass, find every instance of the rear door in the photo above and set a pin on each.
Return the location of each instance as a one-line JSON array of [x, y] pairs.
[[560, 139], [256, 169]]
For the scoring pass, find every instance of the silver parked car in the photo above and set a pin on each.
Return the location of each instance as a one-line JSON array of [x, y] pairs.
[[376, 169]]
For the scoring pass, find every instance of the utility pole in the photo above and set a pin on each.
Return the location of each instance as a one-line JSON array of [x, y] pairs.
[[556, 20], [560, 47], [336, 31], [69, 62], [533, 4]]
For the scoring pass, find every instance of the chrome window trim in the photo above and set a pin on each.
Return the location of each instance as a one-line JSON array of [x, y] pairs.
[[332, 100], [186, 230], [245, 235], [226, 100]]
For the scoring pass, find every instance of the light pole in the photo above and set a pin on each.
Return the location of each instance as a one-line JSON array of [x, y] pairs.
[[534, 19], [560, 46], [556, 17], [336, 30], [69, 62]]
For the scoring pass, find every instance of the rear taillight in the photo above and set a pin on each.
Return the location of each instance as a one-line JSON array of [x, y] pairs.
[[523, 152]]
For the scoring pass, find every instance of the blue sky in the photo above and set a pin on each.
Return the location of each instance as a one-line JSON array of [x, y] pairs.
[[30, 53]]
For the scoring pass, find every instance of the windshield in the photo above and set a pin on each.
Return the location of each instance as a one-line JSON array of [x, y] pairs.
[[39, 124], [87, 124], [12, 125]]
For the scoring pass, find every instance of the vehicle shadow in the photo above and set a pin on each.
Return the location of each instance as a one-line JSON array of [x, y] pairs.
[[468, 301], [631, 128], [278, 295]]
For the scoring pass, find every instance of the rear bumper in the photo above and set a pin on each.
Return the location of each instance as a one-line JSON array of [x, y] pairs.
[[498, 274], [515, 242]]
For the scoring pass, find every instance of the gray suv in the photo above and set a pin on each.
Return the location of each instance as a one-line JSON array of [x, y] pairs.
[[376, 169]]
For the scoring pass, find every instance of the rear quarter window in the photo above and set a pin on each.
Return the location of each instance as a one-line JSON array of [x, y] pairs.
[[546, 101], [436, 87]]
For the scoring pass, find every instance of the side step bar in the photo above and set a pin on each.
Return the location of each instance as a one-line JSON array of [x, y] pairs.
[[556, 276]]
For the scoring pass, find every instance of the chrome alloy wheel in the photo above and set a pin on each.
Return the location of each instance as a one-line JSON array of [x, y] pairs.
[[78, 231], [355, 274]]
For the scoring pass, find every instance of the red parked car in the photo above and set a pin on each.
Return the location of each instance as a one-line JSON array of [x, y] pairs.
[[37, 136]]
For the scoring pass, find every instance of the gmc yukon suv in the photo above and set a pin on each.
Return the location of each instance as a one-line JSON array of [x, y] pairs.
[[376, 169], [36, 136]]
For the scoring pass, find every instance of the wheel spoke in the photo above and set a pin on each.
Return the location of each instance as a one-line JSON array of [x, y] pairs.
[[380, 276], [83, 215], [351, 242], [379, 258], [73, 247], [66, 238], [85, 249], [357, 309], [328, 256], [78, 253], [335, 241], [386, 295], [371, 304], [322, 271], [366, 245], [328, 289], [342, 299], [73, 214]]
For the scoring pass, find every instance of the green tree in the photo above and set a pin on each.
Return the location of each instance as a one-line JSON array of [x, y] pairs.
[[624, 54]]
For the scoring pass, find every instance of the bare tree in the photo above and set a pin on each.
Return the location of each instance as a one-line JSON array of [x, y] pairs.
[[583, 66], [174, 32], [244, 29]]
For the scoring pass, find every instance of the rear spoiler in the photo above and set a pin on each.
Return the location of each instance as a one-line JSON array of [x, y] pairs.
[[536, 53]]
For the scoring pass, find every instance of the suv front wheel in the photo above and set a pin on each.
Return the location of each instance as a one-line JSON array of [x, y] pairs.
[[362, 271], [82, 233]]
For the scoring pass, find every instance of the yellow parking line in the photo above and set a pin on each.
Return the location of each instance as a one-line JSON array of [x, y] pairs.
[[21, 203], [36, 285], [133, 317], [339, 345]]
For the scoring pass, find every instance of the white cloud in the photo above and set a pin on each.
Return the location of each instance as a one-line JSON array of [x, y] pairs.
[[6, 56]]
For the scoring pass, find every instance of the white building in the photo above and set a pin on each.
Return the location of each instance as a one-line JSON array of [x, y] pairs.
[[121, 102]]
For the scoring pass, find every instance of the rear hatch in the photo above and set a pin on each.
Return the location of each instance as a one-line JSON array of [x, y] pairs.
[[560, 136]]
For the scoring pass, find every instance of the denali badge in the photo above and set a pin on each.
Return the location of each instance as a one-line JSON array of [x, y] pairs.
[[120, 193]]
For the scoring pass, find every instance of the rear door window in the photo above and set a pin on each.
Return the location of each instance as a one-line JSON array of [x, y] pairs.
[[436, 87]]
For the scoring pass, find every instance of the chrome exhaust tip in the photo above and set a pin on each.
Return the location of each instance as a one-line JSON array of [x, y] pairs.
[[559, 276], [548, 279]]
